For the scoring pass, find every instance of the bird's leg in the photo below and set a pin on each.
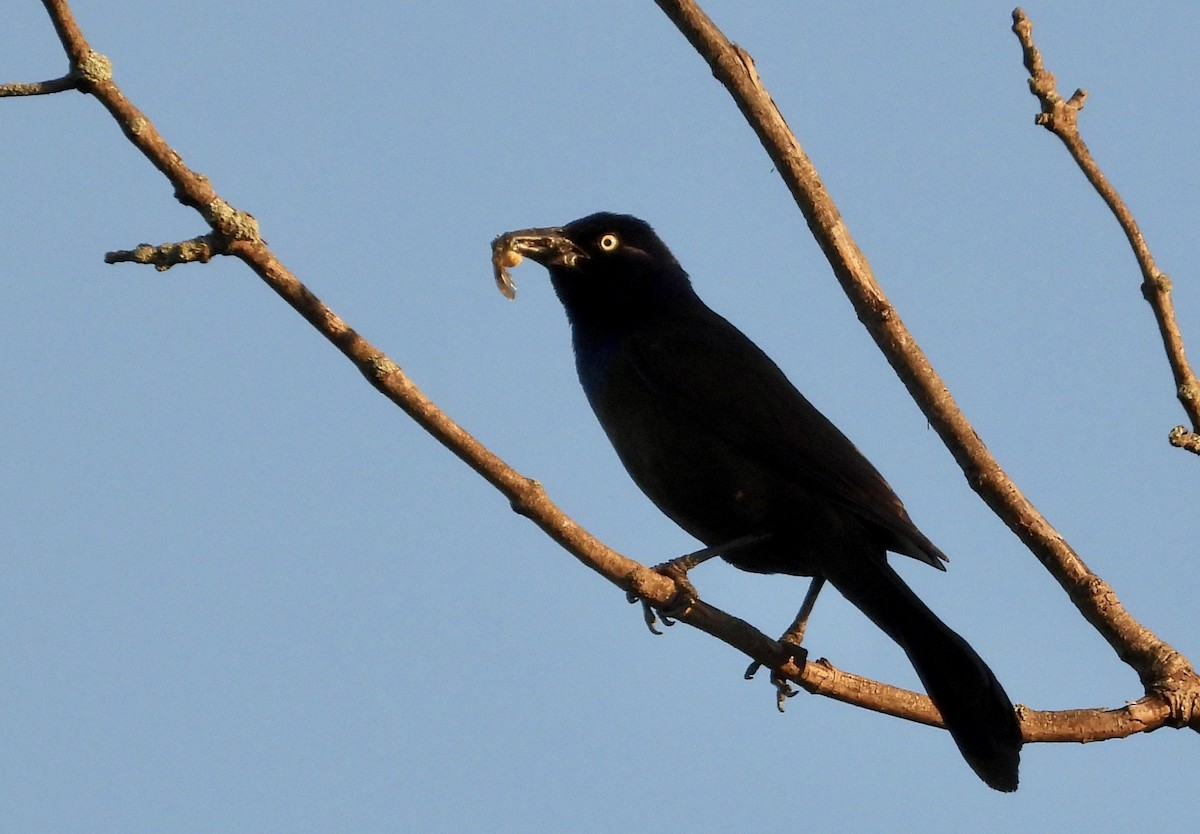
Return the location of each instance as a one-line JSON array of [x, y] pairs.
[[677, 570], [792, 638], [795, 633]]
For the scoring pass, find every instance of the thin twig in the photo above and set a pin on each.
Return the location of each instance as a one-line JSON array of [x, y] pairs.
[[1061, 117], [39, 88], [166, 255]]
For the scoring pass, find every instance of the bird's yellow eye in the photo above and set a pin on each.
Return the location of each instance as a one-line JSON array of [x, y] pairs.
[[609, 243]]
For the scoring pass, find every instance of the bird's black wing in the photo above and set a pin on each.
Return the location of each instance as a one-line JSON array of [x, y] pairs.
[[718, 380]]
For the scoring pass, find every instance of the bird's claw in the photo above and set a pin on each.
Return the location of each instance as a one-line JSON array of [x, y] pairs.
[[676, 570], [684, 597], [783, 688], [649, 614], [685, 592]]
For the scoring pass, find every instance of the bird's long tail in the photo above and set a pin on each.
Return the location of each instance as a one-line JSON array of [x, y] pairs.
[[974, 706]]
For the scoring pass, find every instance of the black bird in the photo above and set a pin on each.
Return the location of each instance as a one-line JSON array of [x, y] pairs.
[[717, 437]]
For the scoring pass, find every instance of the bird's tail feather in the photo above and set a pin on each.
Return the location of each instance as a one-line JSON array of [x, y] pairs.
[[974, 706]]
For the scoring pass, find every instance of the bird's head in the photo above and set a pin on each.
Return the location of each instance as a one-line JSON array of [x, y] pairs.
[[604, 267]]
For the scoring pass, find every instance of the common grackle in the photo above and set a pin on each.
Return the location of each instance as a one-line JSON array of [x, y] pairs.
[[717, 437]]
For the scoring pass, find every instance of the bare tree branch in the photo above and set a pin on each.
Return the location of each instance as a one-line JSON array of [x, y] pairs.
[[39, 88], [235, 233], [1061, 117], [166, 255], [1163, 671]]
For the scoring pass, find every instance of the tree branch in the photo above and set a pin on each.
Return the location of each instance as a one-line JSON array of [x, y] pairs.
[[235, 233], [1164, 672], [1061, 117], [39, 88], [166, 255]]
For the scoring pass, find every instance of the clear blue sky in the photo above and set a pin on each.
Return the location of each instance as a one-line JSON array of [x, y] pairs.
[[239, 591]]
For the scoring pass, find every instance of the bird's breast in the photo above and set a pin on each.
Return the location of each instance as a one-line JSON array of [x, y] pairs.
[[702, 484]]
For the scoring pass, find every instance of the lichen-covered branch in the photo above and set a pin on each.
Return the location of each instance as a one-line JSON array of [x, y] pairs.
[[166, 255], [39, 88]]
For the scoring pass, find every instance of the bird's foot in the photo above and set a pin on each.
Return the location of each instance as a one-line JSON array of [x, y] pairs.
[[685, 592], [684, 597], [791, 640], [783, 688]]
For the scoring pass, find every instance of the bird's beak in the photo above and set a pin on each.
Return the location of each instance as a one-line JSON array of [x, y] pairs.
[[549, 247]]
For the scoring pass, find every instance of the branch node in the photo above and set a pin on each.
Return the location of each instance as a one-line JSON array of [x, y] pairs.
[[527, 497], [94, 68], [1181, 692], [1158, 283], [232, 223], [1181, 438], [381, 366], [1042, 86]]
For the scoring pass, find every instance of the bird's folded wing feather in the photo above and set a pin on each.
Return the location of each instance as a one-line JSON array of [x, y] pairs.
[[721, 382]]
